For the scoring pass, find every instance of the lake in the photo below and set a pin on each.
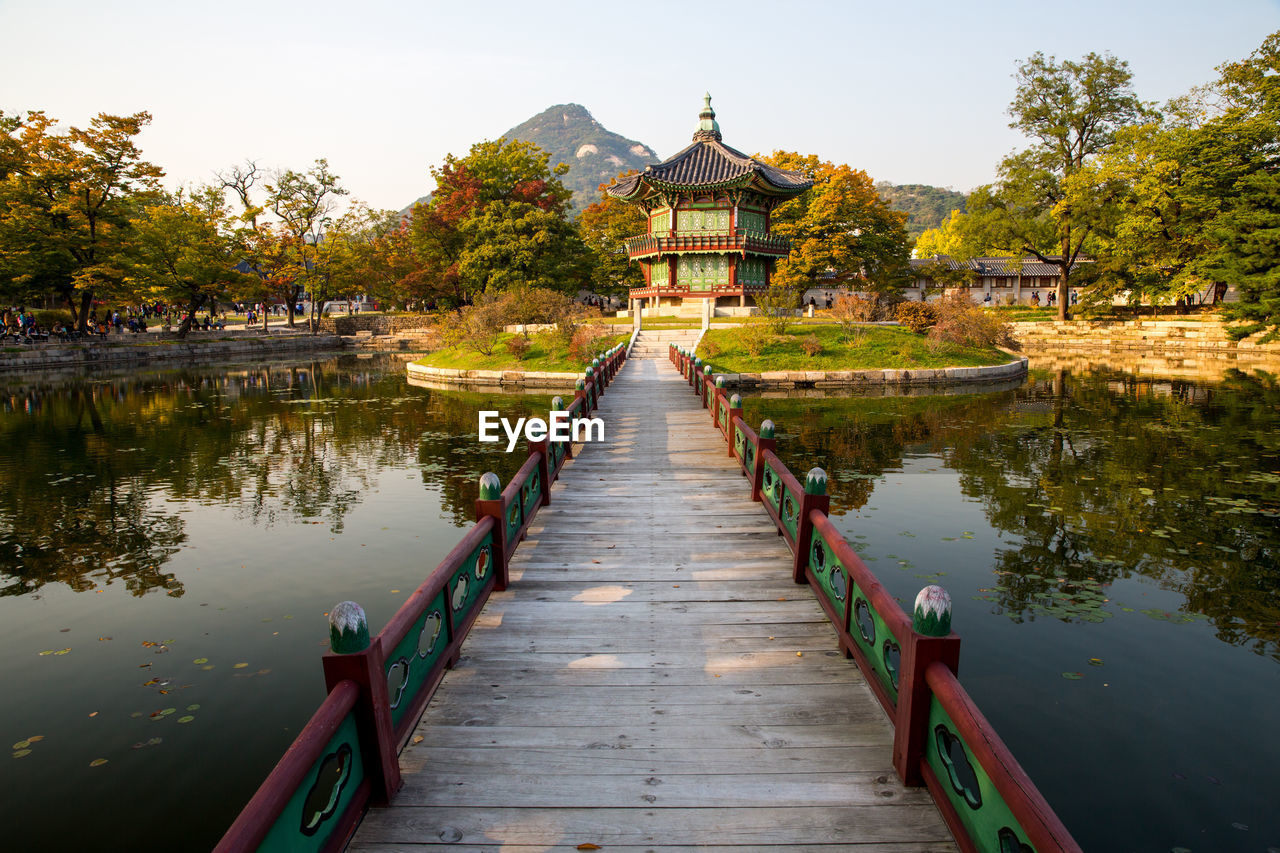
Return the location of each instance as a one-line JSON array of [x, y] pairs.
[[170, 544]]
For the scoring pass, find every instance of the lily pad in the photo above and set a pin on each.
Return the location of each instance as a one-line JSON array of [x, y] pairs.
[[193, 707], [97, 762], [21, 753], [1073, 676], [240, 666], [201, 660], [186, 719]]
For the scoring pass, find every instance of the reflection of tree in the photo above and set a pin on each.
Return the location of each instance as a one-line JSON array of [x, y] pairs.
[[84, 459], [1100, 477]]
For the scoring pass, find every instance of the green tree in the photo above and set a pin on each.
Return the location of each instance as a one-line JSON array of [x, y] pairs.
[[186, 252], [514, 172], [841, 224], [1071, 111], [605, 227], [513, 244], [68, 199]]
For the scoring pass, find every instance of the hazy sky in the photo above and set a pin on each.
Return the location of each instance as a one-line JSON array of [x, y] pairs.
[[912, 92]]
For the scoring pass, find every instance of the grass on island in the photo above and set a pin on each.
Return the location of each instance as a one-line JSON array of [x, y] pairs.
[[878, 347], [547, 354]]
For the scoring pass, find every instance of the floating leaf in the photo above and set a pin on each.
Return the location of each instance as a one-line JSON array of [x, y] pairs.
[[193, 707], [1095, 661], [240, 666], [186, 718], [201, 660], [97, 762], [1073, 676], [36, 738], [22, 744], [21, 753]]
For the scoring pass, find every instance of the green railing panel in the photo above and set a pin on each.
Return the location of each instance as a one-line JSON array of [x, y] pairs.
[[790, 512], [983, 812], [724, 416], [515, 517], [410, 662], [531, 492], [469, 579], [872, 635], [739, 442], [832, 576], [313, 811], [771, 485], [750, 457]]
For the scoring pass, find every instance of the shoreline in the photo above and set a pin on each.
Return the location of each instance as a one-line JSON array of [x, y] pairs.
[[135, 352]]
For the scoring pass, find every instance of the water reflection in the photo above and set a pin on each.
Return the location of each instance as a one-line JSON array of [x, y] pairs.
[[1094, 478], [89, 468]]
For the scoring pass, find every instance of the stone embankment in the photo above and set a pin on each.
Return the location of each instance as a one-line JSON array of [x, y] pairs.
[[834, 379], [506, 380], [128, 350], [1168, 345]]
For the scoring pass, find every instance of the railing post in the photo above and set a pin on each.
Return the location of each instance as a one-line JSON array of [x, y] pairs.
[[707, 384], [764, 441], [717, 392], [589, 384], [930, 640], [815, 497], [697, 370], [490, 504], [352, 658], [580, 393], [599, 374], [735, 411]]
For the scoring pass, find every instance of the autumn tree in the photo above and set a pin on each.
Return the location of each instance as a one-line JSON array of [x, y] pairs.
[[513, 172], [303, 202], [1071, 111], [68, 199], [841, 224], [513, 244], [605, 227], [186, 251]]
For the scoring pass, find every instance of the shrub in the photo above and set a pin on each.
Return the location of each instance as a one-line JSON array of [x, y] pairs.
[[586, 343], [960, 321], [916, 316], [710, 348], [810, 345], [755, 337], [539, 305], [852, 311], [778, 305], [518, 345]]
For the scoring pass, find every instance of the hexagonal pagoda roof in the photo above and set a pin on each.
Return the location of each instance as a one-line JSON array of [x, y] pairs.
[[709, 164]]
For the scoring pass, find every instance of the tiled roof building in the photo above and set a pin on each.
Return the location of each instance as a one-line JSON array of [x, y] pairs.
[[707, 209]]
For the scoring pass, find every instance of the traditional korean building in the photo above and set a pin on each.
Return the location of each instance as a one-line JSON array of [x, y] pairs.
[[708, 209]]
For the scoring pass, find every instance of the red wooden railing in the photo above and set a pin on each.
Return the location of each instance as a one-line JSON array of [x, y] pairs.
[[345, 757], [991, 806]]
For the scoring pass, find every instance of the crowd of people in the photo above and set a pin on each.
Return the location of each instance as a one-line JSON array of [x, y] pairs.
[[18, 323]]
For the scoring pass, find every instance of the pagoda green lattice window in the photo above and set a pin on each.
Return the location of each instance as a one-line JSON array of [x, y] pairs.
[[661, 222], [751, 272], [702, 221], [659, 273], [703, 272], [749, 220]]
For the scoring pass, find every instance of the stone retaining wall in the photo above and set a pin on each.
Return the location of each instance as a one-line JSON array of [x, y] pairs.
[[104, 353], [378, 324], [1158, 335], [790, 379], [503, 379]]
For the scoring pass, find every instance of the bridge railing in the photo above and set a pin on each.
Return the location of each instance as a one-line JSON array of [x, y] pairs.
[[346, 756], [941, 739]]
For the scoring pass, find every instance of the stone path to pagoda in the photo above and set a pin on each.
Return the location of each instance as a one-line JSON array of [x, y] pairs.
[[653, 680]]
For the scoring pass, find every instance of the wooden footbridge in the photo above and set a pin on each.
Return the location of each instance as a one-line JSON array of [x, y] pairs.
[[645, 670]]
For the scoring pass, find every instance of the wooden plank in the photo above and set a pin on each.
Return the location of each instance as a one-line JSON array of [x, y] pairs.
[[645, 825], [875, 847]]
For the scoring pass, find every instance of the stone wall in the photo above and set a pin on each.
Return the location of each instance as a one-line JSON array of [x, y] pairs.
[[378, 324], [1161, 335], [161, 348]]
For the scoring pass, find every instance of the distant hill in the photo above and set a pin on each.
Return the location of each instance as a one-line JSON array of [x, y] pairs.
[[926, 207], [594, 154]]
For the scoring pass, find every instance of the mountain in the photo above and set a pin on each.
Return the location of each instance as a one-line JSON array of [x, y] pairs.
[[926, 207], [595, 155]]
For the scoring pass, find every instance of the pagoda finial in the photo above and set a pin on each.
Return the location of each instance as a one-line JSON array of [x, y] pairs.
[[708, 127]]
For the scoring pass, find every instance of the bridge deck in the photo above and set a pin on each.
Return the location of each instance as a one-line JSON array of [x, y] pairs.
[[653, 680]]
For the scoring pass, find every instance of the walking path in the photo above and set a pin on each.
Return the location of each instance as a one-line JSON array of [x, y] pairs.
[[653, 680]]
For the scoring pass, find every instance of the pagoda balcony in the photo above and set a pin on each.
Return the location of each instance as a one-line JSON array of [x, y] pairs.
[[739, 240]]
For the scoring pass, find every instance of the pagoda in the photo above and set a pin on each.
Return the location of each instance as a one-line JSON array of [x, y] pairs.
[[708, 210]]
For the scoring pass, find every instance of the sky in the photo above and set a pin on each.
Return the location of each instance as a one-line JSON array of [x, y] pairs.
[[910, 92]]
